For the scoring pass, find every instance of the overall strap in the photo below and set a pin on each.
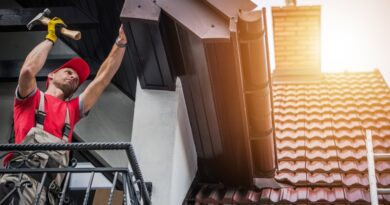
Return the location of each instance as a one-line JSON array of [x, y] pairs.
[[66, 129], [40, 112], [40, 116]]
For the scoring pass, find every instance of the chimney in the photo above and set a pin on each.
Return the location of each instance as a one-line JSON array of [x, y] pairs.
[[291, 2], [297, 36]]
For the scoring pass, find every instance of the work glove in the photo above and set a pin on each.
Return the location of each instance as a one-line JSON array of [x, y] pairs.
[[54, 28]]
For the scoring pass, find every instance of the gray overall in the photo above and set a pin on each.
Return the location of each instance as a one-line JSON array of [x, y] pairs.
[[26, 195]]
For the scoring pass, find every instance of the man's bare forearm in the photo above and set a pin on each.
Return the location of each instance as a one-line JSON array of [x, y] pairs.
[[32, 65], [37, 57], [106, 72], [110, 66]]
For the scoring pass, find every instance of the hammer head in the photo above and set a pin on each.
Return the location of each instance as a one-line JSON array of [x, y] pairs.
[[37, 19]]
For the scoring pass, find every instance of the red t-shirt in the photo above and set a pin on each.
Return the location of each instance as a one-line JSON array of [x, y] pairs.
[[55, 109]]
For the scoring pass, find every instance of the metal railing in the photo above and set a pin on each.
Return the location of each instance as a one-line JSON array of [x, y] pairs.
[[134, 187]]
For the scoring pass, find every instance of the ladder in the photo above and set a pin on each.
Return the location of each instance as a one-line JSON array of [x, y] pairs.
[[371, 156]]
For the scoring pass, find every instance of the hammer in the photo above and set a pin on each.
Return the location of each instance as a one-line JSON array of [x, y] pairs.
[[41, 18]]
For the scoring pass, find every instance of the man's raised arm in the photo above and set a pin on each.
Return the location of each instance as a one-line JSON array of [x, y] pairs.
[[31, 66], [106, 72], [36, 59]]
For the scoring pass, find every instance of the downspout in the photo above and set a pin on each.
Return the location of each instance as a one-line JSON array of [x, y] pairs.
[[258, 95]]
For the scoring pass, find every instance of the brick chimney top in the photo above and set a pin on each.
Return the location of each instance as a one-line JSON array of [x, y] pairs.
[[291, 2], [297, 32]]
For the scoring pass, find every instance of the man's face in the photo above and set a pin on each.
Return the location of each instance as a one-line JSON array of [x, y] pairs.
[[65, 79]]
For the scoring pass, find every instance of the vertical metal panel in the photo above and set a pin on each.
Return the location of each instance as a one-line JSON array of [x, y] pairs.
[[213, 101], [193, 55], [153, 49], [145, 52], [189, 99], [169, 34], [236, 168]]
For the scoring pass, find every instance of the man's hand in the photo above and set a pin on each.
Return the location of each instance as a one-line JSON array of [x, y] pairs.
[[53, 28], [121, 40]]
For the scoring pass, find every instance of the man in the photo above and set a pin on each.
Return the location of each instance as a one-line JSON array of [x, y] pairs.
[[51, 116]]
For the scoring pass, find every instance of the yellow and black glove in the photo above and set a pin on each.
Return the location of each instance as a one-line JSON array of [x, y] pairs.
[[54, 28]]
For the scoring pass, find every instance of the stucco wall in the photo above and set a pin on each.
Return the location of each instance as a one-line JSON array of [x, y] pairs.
[[163, 143]]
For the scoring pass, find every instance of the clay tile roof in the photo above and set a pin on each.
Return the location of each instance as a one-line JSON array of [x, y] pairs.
[[320, 142]]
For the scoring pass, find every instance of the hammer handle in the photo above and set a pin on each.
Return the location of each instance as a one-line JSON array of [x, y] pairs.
[[76, 35]]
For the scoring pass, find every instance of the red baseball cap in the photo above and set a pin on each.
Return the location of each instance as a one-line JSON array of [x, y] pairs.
[[77, 64]]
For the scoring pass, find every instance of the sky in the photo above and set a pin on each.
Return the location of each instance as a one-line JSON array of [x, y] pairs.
[[355, 34]]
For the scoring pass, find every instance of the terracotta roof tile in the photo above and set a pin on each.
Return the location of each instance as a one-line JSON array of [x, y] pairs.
[[244, 195], [344, 143], [385, 198], [380, 144], [344, 116], [386, 108], [289, 134], [374, 109], [357, 195], [373, 124], [322, 166], [331, 117], [346, 124], [292, 166], [211, 194], [383, 179], [288, 195], [322, 125], [290, 144], [318, 97], [320, 142], [318, 134], [352, 154], [289, 118], [294, 98], [355, 179], [373, 116], [353, 166], [381, 150], [294, 178], [278, 98], [382, 166], [382, 133], [327, 195], [324, 178], [289, 125], [315, 103], [293, 104], [316, 110], [317, 154], [291, 154], [341, 109], [348, 133], [317, 117]]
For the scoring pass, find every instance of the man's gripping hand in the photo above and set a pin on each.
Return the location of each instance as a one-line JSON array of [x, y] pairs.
[[121, 40], [54, 28]]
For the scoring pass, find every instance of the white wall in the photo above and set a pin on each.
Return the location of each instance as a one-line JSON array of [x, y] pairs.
[[163, 143], [110, 120]]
